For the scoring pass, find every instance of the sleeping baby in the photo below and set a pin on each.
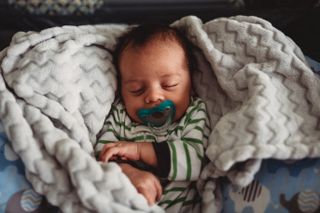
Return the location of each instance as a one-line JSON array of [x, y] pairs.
[[157, 129]]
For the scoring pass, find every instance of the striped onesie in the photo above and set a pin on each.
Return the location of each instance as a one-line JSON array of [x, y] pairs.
[[179, 150]]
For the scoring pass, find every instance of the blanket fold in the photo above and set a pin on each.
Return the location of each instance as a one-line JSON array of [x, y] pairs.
[[57, 87], [262, 99]]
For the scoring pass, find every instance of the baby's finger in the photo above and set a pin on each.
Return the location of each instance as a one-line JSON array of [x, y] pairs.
[[159, 189], [150, 197], [106, 147], [123, 158], [113, 158], [109, 145], [108, 154], [102, 154]]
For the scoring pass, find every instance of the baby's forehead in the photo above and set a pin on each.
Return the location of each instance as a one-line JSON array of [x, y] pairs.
[[166, 54], [154, 42]]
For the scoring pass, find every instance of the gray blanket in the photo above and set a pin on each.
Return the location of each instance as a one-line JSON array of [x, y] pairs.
[[57, 86]]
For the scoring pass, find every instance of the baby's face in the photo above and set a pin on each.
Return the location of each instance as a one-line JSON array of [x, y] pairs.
[[153, 73]]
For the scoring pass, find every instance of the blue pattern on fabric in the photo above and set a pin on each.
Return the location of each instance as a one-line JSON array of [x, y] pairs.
[[280, 190]]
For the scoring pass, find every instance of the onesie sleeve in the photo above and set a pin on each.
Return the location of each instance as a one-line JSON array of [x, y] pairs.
[[187, 152], [163, 158], [109, 132]]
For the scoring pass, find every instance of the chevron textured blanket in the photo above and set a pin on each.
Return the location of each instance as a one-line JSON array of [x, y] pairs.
[[57, 86]]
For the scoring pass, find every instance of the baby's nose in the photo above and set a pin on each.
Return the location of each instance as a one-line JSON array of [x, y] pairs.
[[154, 96]]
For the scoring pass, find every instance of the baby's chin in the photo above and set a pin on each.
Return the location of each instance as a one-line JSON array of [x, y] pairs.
[[178, 117], [135, 119]]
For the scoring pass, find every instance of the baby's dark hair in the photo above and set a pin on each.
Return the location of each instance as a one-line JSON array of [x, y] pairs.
[[140, 35]]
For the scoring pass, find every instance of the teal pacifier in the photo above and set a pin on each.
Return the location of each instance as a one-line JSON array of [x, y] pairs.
[[159, 115]]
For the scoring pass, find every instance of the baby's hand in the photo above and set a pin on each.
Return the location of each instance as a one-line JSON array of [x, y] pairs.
[[121, 149], [145, 182]]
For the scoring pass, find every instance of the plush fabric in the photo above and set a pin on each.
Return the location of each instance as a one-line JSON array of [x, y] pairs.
[[57, 86], [57, 7], [65, 86]]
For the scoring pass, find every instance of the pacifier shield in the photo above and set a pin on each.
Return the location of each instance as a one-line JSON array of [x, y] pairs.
[[159, 115]]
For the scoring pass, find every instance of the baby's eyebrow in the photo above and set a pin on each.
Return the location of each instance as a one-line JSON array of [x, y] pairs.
[[171, 75], [130, 81]]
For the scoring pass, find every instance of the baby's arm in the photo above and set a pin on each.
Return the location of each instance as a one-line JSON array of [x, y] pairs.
[[124, 150], [109, 147], [145, 182]]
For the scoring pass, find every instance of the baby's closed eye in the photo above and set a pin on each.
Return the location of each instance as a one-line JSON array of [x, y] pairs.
[[169, 82], [137, 90], [170, 85]]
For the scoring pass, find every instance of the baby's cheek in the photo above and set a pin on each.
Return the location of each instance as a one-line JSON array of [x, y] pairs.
[[180, 110], [132, 112]]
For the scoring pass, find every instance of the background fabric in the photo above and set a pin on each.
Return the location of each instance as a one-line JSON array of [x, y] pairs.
[[57, 7], [279, 186]]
